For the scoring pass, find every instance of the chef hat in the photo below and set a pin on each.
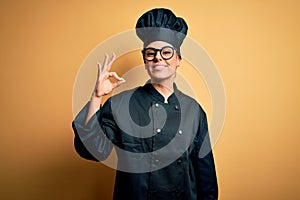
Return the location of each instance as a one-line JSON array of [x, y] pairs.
[[161, 24]]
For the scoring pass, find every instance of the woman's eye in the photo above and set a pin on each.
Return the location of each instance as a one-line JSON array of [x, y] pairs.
[[150, 53]]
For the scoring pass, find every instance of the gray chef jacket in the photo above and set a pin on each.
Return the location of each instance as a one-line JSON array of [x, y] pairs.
[[162, 148]]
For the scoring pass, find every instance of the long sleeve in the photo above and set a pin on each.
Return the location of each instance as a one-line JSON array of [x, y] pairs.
[[203, 161], [90, 140]]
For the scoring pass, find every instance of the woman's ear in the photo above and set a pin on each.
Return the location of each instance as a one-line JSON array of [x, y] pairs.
[[178, 61], [143, 58]]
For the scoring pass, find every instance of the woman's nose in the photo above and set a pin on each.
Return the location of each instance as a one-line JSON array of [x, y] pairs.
[[157, 56]]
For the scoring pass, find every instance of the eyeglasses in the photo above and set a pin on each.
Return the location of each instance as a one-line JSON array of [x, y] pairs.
[[167, 52]]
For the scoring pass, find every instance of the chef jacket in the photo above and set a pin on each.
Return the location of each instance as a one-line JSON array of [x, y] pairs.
[[160, 168]]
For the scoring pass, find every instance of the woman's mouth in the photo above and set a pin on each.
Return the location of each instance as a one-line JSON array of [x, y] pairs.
[[159, 67]]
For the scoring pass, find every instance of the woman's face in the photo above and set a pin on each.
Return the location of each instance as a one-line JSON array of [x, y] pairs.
[[160, 69]]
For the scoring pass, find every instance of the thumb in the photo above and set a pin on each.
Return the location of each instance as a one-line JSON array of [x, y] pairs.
[[119, 82]]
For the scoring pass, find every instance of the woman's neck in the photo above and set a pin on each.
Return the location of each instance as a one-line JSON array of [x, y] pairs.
[[166, 89]]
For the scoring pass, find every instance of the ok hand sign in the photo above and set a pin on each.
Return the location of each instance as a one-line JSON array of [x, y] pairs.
[[104, 84]]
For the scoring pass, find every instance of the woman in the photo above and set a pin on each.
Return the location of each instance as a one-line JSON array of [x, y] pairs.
[[159, 139]]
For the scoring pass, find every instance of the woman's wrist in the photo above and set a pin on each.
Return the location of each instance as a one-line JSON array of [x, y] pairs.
[[96, 98]]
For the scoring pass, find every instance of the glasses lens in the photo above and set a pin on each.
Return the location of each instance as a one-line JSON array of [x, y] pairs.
[[149, 54], [167, 53]]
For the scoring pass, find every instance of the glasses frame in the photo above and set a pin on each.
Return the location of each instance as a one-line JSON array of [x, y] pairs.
[[160, 51]]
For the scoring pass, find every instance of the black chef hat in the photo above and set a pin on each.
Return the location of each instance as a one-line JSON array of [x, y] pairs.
[[161, 24]]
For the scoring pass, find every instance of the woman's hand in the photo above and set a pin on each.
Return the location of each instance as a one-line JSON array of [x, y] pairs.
[[106, 80]]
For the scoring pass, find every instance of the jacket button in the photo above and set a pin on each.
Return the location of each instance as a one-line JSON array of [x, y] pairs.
[[180, 132], [177, 107], [158, 130], [179, 161], [156, 105]]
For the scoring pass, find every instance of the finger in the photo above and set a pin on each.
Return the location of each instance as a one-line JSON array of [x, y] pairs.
[[113, 58], [105, 62], [99, 69], [115, 75], [121, 81], [117, 84], [109, 64]]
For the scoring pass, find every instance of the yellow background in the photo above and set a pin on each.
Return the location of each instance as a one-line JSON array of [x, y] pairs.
[[255, 45]]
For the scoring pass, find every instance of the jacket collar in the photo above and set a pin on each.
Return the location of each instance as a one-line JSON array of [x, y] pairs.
[[148, 87]]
